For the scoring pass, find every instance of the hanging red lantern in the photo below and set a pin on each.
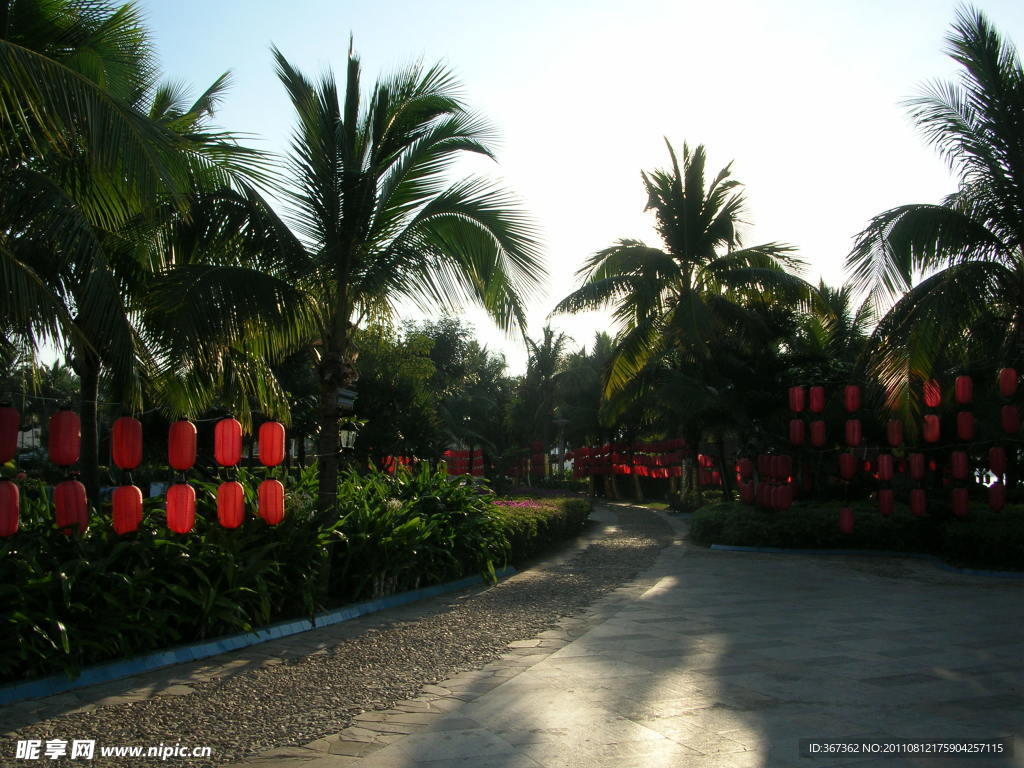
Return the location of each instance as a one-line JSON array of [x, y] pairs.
[[126, 442], [997, 496], [932, 428], [227, 442], [181, 507], [885, 467], [846, 520], [917, 466], [997, 460], [796, 399], [964, 389], [851, 397], [127, 508], [65, 438], [10, 507], [181, 446], [960, 502], [918, 502], [271, 501], [885, 502], [746, 468], [764, 465], [847, 466], [932, 393], [1009, 417], [230, 504], [71, 506], [9, 422], [965, 425], [818, 433], [959, 463], [783, 497], [1008, 382], [817, 399], [853, 432], [747, 492], [782, 467], [894, 432], [796, 431], [271, 443]]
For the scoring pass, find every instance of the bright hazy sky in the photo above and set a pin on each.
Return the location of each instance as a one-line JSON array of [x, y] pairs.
[[804, 96]]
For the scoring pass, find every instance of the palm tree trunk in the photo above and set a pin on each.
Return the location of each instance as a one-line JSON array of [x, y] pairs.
[[87, 366], [336, 372]]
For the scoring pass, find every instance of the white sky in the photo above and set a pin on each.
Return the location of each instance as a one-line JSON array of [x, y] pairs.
[[804, 96]]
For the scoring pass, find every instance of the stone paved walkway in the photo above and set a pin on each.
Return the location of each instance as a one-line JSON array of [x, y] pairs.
[[725, 659]]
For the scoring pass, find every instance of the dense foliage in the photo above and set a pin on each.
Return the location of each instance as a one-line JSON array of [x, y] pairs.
[[67, 601], [984, 539]]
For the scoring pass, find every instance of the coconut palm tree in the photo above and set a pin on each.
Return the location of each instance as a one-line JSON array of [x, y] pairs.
[[951, 275], [686, 298], [378, 222]]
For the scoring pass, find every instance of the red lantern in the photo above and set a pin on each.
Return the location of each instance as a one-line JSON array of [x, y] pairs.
[[997, 496], [965, 425], [885, 467], [9, 421], [227, 443], [127, 508], [894, 432], [271, 501], [782, 467], [847, 466], [917, 466], [846, 520], [918, 502], [932, 393], [181, 447], [747, 492], [818, 433], [72, 507], [271, 443], [181, 507], [960, 502], [959, 464], [764, 465], [817, 399], [783, 497], [126, 443], [964, 388], [10, 506], [853, 432], [746, 468], [851, 397], [796, 431], [65, 438], [796, 399], [885, 502], [997, 460], [1008, 382], [932, 428], [230, 504], [1010, 419]]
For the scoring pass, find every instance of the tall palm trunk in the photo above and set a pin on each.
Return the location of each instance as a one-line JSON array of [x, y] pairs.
[[336, 371], [87, 365]]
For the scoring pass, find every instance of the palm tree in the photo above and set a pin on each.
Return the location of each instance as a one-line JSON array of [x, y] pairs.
[[952, 274], [109, 264], [679, 303], [378, 223]]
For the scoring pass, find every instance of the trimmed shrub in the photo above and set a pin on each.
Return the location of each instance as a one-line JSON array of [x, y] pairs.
[[984, 539]]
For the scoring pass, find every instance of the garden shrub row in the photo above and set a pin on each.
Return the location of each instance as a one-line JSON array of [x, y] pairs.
[[983, 539], [67, 602]]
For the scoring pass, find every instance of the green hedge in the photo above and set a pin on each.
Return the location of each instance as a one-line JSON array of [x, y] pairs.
[[984, 539], [533, 525], [66, 602]]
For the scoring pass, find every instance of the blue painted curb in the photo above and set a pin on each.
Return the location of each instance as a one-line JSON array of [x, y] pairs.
[[115, 670], [870, 553]]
